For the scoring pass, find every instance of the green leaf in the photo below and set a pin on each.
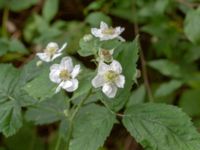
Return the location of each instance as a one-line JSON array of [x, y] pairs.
[[88, 48], [11, 119], [166, 67], [84, 86], [41, 87], [95, 18], [161, 127], [91, 121], [31, 70], [126, 51], [17, 46], [50, 9], [21, 142], [190, 102], [48, 111], [168, 87], [137, 96], [4, 46], [12, 98], [23, 4], [110, 44], [191, 27], [95, 5]]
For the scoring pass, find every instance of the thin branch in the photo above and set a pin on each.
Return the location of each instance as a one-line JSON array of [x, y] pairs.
[[143, 61]]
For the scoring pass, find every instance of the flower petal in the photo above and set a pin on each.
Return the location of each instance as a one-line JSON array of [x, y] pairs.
[[67, 84], [73, 86], [119, 30], [62, 48], [98, 81], [103, 25], [59, 87], [55, 67], [75, 71], [102, 68], [44, 56], [54, 74], [116, 66], [109, 90], [107, 37], [120, 81], [96, 32], [66, 63], [56, 55]]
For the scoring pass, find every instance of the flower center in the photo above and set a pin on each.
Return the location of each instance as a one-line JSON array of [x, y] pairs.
[[51, 51], [108, 31], [110, 76], [64, 75]]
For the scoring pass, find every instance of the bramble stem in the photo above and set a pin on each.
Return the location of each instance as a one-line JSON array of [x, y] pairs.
[[4, 22], [58, 143], [71, 119]]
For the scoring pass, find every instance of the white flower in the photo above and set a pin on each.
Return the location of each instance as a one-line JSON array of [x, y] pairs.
[[109, 78], [51, 52], [65, 75], [105, 55], [107, 33]]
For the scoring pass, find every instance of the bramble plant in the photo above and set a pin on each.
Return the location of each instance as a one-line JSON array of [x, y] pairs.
[[99, 99], [100, 75]]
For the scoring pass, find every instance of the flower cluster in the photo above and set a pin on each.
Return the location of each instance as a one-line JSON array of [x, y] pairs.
[[109, 72]]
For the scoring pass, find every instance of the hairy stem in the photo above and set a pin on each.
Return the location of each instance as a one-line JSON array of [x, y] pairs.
[[71, 119]]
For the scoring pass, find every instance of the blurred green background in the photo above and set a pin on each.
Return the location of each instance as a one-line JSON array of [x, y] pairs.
[[169, 59]]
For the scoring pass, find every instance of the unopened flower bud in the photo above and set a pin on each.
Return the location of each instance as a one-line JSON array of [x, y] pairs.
[[39, 63], [87, 37], [106, 55]]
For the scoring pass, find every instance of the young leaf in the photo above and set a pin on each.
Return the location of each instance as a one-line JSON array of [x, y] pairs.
[[161, 127], [92, 126]]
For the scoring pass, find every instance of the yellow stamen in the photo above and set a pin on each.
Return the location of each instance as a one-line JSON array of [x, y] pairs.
[[64, 75], [110, 76], [108, 31]]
